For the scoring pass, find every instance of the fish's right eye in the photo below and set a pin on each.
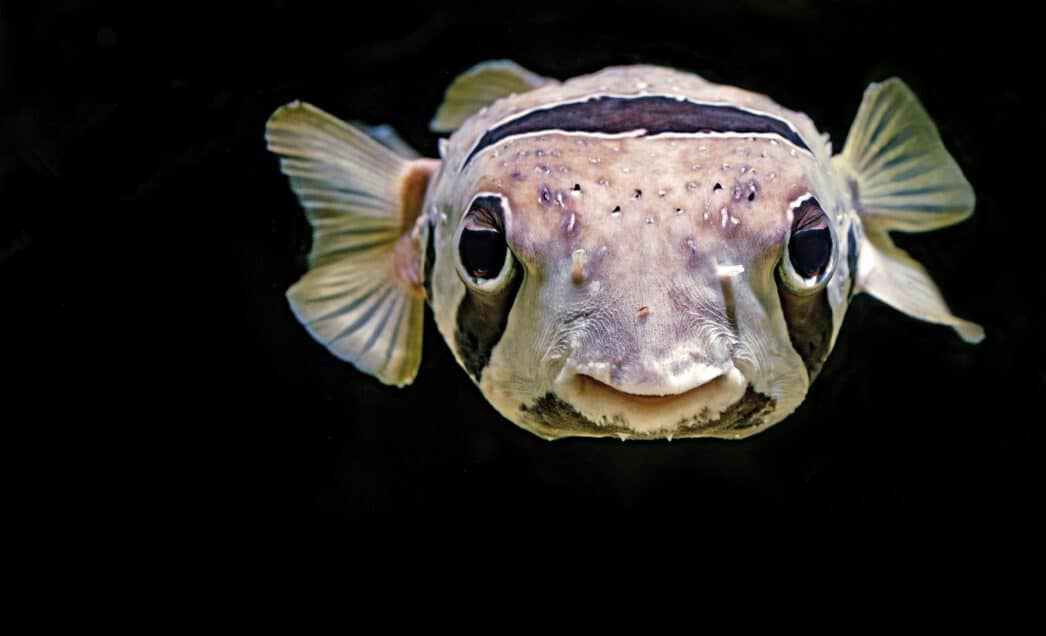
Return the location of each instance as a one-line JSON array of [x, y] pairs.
[[484, 259]]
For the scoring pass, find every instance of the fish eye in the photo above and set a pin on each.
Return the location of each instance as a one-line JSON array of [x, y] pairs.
[[809, 257], [484, 260]]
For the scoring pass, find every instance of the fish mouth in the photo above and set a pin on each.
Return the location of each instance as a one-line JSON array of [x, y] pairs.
[[591, 386], [655, 407]]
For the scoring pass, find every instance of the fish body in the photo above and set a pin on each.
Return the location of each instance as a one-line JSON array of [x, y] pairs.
[[635, 253]]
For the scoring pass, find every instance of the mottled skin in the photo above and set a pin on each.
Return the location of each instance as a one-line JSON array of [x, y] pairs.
[[632, 317]]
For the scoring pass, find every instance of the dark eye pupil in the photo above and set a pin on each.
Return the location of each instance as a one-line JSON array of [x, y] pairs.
[[809, 251], [482, 252]]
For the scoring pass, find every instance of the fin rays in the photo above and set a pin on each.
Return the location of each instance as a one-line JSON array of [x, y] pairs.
[[903, 179], [353, 299], [481, 86]]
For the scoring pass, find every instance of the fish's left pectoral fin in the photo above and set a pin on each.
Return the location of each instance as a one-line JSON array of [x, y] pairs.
[[481, 86], [899, 172], [891, 275], [363, 296]]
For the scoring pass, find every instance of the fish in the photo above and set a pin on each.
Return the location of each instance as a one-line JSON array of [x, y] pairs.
[[637, 253]]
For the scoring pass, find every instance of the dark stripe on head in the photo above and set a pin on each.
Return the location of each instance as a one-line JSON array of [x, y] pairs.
[[481, 322], [809, 320], [654, 114]]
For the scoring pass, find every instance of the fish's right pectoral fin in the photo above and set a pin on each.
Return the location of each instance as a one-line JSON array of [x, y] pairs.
[[902, 178], [891, 275], [481, 86], [362, 297], [901, 175]]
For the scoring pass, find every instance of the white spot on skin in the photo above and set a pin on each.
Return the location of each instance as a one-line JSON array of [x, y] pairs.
[[649, 220], [570, 224], [661, 193], [735, 220], [559, 200], [729, 271], [725, 215], [792, 152], [626, 169], [602, 181], [691, 186], [594, 160], [706, 215]]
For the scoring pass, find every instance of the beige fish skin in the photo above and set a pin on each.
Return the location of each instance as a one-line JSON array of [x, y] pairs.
[[635, 253]]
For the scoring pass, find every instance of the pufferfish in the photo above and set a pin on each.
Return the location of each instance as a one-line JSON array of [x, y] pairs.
[[636, 253]]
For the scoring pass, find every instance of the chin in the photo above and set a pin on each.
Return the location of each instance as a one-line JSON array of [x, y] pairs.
[[582, 401]]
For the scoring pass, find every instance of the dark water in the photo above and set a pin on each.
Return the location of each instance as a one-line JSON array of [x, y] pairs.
[[148, 239]]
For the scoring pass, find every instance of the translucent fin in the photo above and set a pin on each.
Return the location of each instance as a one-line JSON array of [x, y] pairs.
[[900, 173], [480, 86], [362, 297], [387, 136], [891, 275]]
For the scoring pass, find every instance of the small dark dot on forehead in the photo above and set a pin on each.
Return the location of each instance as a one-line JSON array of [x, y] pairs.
[[717, 187]]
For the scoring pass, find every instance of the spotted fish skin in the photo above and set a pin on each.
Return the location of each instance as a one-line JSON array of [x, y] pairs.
[[640, 253]]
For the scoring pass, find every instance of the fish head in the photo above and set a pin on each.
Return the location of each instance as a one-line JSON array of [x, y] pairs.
[[635, 253], [639, 287]]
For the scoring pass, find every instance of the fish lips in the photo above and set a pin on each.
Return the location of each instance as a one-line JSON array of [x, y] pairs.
[[651, 402]]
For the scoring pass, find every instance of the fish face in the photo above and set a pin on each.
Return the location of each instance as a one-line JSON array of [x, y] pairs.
[[634, 287], [635, 253]]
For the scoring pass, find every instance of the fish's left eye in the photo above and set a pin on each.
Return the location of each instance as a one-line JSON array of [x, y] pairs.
[[809, 257], [484, 259]]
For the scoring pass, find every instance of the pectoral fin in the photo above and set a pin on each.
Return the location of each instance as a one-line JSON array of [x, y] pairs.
[[362, 297], [480, 86], [891, 275], [902, 178], [897, 168]]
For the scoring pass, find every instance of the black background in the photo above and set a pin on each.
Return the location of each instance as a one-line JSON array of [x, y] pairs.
[[148, 238]]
